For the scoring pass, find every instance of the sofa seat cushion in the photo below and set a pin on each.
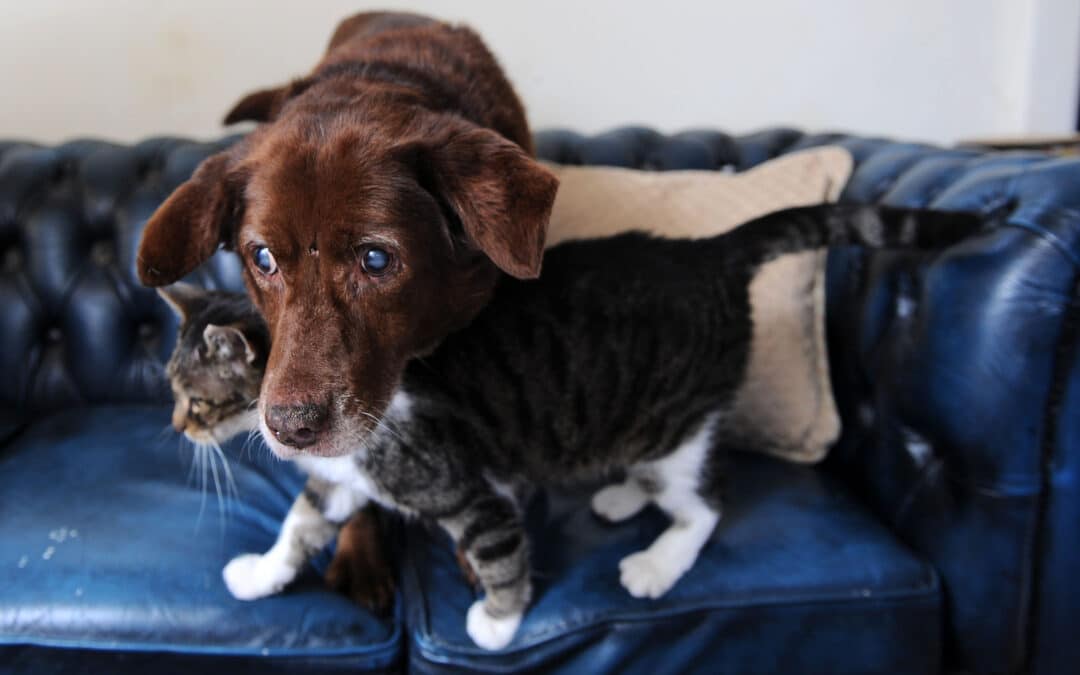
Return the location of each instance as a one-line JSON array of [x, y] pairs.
[[103, 550], [797, 578]]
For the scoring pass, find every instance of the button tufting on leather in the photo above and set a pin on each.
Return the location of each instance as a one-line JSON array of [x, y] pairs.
[[1010, 206], [53, 335], [103, 252], [917, 446], [905, 306], [11, 259], [147, 331], [64, 170], [147, 168], [867, 415], [906, 289], [883, 187]]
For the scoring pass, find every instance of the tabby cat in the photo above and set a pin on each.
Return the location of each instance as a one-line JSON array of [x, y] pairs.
[[622, 359], [215, 371], [217, 366]]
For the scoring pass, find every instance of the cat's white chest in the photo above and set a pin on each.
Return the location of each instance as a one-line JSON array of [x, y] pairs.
[[343, 471]]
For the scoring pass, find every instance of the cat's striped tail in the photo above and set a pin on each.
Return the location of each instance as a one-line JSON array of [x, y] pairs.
[[823, 225]]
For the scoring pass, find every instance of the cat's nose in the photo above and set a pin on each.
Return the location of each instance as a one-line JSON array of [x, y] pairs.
[[297, 426], [179, 418]]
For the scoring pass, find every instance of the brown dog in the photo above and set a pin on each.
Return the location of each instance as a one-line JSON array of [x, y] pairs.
[[373, 211]]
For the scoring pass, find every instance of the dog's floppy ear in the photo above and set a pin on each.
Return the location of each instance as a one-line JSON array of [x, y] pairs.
[[501, 195], [189, 226], [265, 104]]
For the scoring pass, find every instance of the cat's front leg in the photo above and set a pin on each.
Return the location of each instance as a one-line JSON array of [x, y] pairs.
[[314, 519], [490, 532]]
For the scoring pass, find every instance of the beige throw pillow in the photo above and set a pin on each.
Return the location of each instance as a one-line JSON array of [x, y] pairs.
[[786, 407]]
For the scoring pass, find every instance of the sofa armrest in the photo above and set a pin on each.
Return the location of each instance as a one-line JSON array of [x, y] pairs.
[[953, 373]]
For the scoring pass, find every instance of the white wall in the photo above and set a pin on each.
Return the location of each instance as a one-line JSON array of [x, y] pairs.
[[925, 69]]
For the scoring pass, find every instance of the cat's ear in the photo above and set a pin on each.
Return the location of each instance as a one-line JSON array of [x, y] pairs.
[[228, 342], [182, 298]]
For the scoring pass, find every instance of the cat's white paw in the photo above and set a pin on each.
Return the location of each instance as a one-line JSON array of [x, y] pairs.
[[251, 576], [618, 502], [648, 575], [487, 631]]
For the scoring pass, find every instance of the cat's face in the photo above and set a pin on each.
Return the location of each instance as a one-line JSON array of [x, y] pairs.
[[217, 366], [215, 393]]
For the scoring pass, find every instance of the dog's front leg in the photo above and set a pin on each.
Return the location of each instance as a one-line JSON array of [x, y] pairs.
[[314, 519], [490, 532]]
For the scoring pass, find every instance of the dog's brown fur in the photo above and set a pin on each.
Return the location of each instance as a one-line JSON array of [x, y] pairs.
[[406, 136], [362, 569], [467, 72]]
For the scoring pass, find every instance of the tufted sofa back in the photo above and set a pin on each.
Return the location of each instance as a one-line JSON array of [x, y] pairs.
[[76, 327]]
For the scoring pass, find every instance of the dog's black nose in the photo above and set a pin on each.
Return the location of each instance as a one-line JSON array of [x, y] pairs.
[[297, 426]]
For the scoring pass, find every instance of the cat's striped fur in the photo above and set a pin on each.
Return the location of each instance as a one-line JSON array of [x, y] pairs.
[[622, 358]]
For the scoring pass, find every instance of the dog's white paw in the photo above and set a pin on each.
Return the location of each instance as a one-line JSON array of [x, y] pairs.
[[487, 631], [618, 502], [252, 576], [647, 575]]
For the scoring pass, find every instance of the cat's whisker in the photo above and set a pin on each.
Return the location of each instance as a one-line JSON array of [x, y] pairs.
[[232, 493], [180, 455], [253, 436], [200, 458], [212, 461], [163, 437]]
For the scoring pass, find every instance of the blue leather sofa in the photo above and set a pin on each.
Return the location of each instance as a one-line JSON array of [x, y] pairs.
[[940, 535]]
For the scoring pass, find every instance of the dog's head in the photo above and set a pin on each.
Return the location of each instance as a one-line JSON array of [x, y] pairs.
[[365, 240]]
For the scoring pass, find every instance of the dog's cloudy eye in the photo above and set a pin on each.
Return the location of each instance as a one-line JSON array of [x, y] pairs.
[[375, 261], [264, 260]]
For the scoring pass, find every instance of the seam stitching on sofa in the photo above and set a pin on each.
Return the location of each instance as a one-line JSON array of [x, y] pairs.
[[1049, 236], [563, 628], [929, 587], [382, 653], [1063, 357]]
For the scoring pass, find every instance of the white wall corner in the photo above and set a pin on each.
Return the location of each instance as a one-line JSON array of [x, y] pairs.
[[1052, 74]]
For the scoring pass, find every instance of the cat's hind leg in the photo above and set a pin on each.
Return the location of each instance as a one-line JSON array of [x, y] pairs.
[[678, 482], [620, 501], [314, 519]]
